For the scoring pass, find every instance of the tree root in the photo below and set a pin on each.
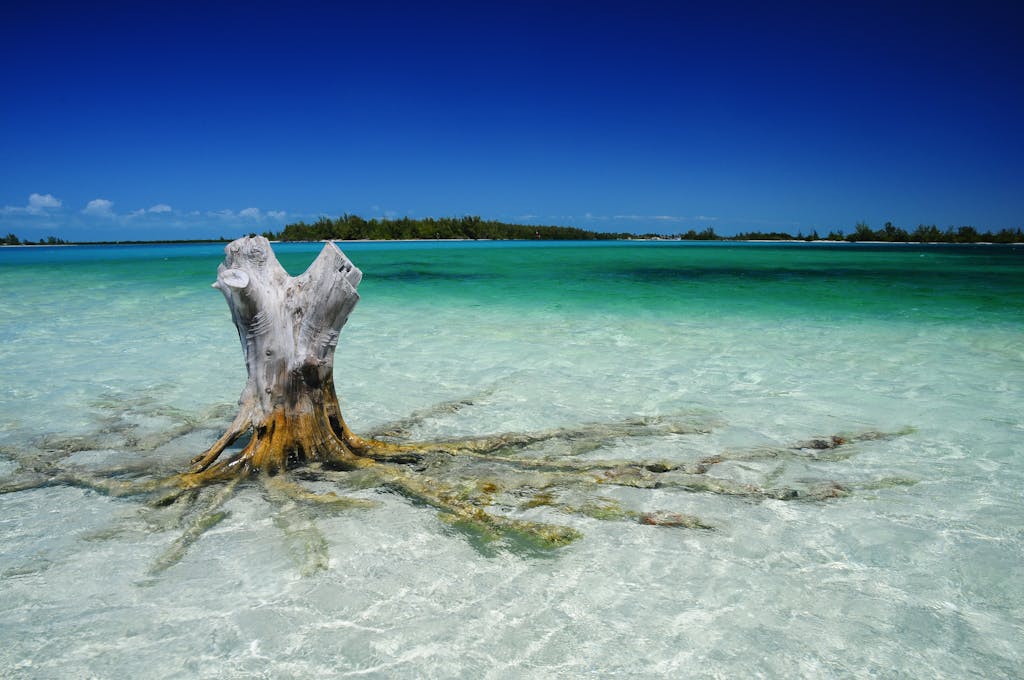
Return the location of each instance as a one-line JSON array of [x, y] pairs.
[[465, 510], [306, 542], [239, 427], [587, 436], [466, 480], [280, 489], [401, 429], [208, 517]]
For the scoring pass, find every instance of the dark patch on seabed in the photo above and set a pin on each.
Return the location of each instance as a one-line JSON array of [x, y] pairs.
[[412, 275], [936, 278], [691, 273]]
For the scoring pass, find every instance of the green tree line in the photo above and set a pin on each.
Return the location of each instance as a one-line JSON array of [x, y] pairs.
[[890, 233], [13, 240], [353, 227]]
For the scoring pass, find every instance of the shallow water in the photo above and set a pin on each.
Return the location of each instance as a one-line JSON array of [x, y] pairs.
[[125, 352]]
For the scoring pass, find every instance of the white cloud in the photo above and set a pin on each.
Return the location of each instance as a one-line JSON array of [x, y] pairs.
[[252, 214], [99, 207], [37, 203], [652, 218], [40, 208]]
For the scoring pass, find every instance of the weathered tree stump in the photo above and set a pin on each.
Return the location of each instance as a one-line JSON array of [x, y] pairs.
[[288, 327]]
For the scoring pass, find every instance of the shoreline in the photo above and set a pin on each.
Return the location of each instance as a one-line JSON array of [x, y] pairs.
[[794, 241]]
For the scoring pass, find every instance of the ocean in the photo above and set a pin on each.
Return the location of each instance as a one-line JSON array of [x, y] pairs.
[[912, 354]]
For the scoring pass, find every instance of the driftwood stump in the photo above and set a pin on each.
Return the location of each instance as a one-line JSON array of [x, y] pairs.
[[288, 327]]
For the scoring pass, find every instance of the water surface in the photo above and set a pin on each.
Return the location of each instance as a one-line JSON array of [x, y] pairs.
[[916, 574]]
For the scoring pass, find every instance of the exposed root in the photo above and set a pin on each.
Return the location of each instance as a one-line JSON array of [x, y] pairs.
[[825, 449], [120, 425], [597, 433], [280, 489], [108, 483], [306, 542], [240, 426], [282, 441], [467, 480], [609, 509], [208, 517], [467, 512], [401, 429], [109, 486]]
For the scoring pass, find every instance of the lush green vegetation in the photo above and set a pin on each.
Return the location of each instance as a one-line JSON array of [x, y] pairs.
[[890, 233], [12, 240], [354, 228]]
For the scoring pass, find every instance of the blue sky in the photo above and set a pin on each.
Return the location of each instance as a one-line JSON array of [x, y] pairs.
[[143, 120]]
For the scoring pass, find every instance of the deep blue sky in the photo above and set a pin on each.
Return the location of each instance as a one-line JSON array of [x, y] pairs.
[[181, 120]]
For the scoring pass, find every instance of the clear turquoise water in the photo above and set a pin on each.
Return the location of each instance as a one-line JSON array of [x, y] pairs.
[[766, 344]]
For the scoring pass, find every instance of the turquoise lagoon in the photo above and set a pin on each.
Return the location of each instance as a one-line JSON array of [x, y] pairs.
[[919, 573]]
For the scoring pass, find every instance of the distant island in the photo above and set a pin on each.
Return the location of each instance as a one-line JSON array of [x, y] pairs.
[[355, 228]]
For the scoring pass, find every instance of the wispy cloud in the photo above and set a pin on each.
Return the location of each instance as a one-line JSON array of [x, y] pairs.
[[158, 209], [665, 218], [102, 218], [250, 214]]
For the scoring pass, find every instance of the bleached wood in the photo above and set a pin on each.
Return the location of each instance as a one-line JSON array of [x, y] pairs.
[[288, 327]]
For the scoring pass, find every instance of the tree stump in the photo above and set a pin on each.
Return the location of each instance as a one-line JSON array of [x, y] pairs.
[[289, 328]]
